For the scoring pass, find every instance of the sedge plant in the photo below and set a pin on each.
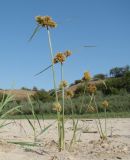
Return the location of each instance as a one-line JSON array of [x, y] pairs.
[[61, 57], [105, 105], [86, 78], [47, 23]]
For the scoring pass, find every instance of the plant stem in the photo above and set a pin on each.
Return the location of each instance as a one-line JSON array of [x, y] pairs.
[[72, 110], [105, 121], [52, 57], [76, 124], [63, 103], [54, 83], [101, 135], [96, 109]]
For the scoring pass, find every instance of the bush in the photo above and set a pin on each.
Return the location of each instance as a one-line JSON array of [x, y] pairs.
[[42, 96]]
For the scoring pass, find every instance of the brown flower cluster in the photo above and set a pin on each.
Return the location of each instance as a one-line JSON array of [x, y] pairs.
[[91, 109], [87, 76], [69, 93], [61, 57], [57, 106], [63, 84], [67, 53], [105, 104], [45, 21], [92, 88]]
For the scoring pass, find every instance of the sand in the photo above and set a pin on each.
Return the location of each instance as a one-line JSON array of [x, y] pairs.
[[88, 146]]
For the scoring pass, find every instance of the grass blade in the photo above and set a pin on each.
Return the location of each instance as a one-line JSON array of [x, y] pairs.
[[45, 129], [34, 32], [9, 111], [43, 70], [3, 125], [25, 143], [27, 119]]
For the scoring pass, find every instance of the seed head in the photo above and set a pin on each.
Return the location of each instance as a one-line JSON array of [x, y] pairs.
[[67, 53], [69, 93], [45, 21], [55, 60], [60, 57], [91, 109], [92, 88], [87, 76], [105, 104], [57, 106], [63, 84]]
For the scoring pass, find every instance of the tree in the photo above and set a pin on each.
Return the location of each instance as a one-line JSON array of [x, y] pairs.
[[35, 88], [77, 81], [43, 96], [126, 81], [25, 88], [119, 71], [100, 76]]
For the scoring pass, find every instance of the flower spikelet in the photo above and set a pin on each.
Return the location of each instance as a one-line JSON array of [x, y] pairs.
[[69, 93], [105, 104], [63, 84], [45, 21], [57, 106], [92, 88], [55, 60], [87, 76], [91, 109], [60, 57], [67, 53]]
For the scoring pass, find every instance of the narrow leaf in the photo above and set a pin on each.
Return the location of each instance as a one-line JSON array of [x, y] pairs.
[[9, 111], [43, 70], [25, 143], [34, 32], [45, 129]]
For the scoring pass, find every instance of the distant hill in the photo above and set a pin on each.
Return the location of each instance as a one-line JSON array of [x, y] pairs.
[[75, 86], [19, 94]]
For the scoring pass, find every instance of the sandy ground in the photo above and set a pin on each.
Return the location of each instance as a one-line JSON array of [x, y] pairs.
[[87, 147]]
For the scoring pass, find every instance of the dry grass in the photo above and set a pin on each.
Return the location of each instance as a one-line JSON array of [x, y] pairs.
[[19, 94]]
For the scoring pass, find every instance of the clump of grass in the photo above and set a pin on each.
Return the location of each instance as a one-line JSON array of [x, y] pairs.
[[92, 90], [86, 79], [105, 105], [47, 22], [6, 99]]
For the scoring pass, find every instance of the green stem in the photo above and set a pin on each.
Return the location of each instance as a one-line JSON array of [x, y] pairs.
[[74, 134], [83, 97], [91, 99], [54, 83], [105, 121], [102, 135], [63, 103], [53, 71], [76, 124], [72, 110]]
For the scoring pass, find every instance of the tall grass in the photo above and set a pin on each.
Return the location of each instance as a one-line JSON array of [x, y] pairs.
[[4, 111]]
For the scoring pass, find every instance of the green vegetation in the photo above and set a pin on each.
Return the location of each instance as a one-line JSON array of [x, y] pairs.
[[83, 116], [118, 103], [116, 92]]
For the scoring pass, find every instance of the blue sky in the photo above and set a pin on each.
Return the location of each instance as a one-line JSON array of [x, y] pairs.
[[103, 23]]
